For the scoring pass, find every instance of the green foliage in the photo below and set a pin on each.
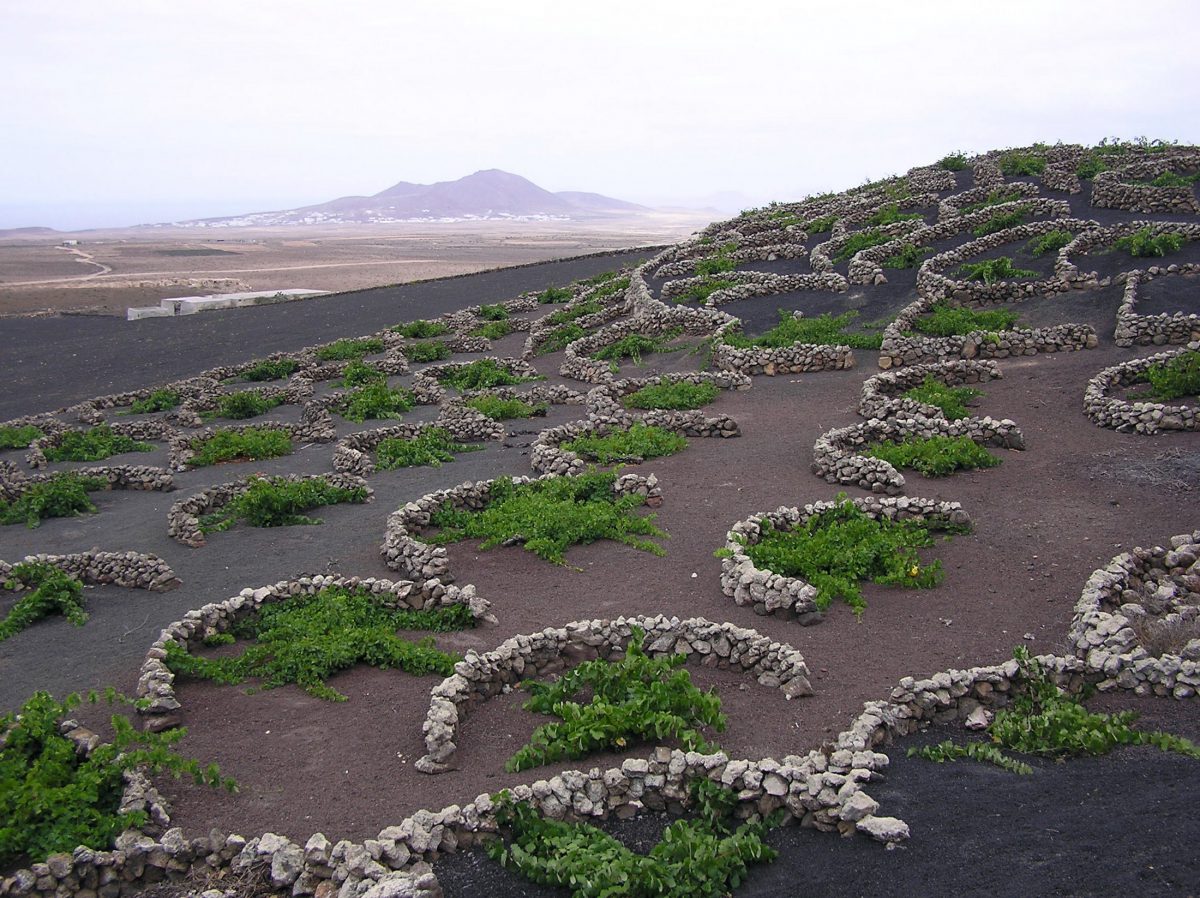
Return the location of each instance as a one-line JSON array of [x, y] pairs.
[[994, 198], [819, 225], [608, 285], [634, 346], [992, 270], [53, 592], [826, 330], [62, 496], [493, 313], [579, 310], [157, 401], [560, 338], [635, 699], [954, 162], [908, 256], [676, 395], [505, 409], [717, 264], [549, 516], [52, 799], [271, 370], [347, 349], [890, 214], [1090, 166], [431, 447], [279, 502], [246, 404], [1174, 378], [480, 375], [93, 445], [858, 241], [1045, 721], [1015, 164], [359, 374], [308, 638], [553, 295], [374, 402], [704, 857], [427, 351], [494, 330], [945, 320], [934, 456], [835, 549], [18, 437], [638, 443], [1050, 242], [702, 290], [1145, 244], [1002, 221], [421, 329], [1173, 179], [951, 400], [251, 444]]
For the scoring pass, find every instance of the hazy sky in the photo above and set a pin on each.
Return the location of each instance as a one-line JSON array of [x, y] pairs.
[[122, 111]]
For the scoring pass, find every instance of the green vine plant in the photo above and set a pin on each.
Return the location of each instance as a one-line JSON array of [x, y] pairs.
[[421, 329], [634, 346], [93, 445], [636, 699], [307, 639], [431, 447], [279, 502], [49, 591], [269, 369], [482, 374], [824, 330], [1047, 722], [951, 400], [19, 437], [703, 856], [1146, 244], [53, 799], [678, 395], [549, 516], [242, 405], [62, 496], [348, 349], [633, 446], [251, 444], [499, 409], [375, 401], [944, 320], [427, 351], [1175, 378], [992, 271], [934, 456], [158, 401]]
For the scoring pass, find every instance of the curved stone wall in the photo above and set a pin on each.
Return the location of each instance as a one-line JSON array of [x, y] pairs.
[[1138, 417], [135, 570], [881, 395]]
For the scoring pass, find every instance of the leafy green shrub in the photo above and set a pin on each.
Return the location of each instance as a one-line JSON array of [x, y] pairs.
[[1045, 721], [717, 264], [1002, 221], [431, 447], [635, 699], [375, 402], [62, 496], [494, 330], [427, 351], [271, 370], [1145, 244], [951, 400], [836, 548], [346, 349], [1050, 242], [564, 316], [858, 241], [677, 395], [251, 444], [637, 444], [553, 295], [308, 638], [954, 162], [1173, 179], [19, 437], [1015, 164], [279, 502], [945, 320], [359, 374], [994, 198], [934, 456], [421, 329], [609, 286], [93, 445], [908, 256], [702, 290], [705, 857], [53, 592], [505, 409], [819, 225], [634, 346], [246, 404], [890, 214], [493, 313], [825, 330], [549, 516], [1174, 378], [480, 375], [52, 799], [158, 401], [1090, 166], [992, 270], [559, 338]]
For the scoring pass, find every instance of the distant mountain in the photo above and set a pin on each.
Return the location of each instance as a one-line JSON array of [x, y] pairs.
[[489, 194], [28, 232]]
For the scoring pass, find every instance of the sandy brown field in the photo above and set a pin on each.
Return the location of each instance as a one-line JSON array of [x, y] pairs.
[[109, 271]]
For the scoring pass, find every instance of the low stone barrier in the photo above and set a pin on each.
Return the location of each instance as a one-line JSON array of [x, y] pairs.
[[795, 359], [13, 483], [881, 393], [135, 570], [1113, 190], [135, 430], [1131, 415], [316, 426], [1158, 330]]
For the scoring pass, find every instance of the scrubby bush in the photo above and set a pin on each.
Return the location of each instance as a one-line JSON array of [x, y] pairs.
[[158, 401], [505, 409], [374, 402], [358, 374], [825, 330], [246, 404], [493, 330], [493, 313], [62, 496], [908, 256], [634, 346], [934, 456], [251, 444], [639, 443], [19, 437], [421, 329], [954, 162], [49, 590], [1016, 164], [483, 374], [944, 320], [427, 351], [994, 198], [554, 295], [700, 291], [347, 349], [1146, 244], [279, 502], [269, 369], [1173, 379], [992, 270], [431, 447], [676, 395], [559, 338], [1050, 242], [1002, 221], [951, 400], [890, 214], [93, 445], [858, 241]]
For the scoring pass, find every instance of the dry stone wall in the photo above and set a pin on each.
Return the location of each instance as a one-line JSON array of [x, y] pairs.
[[1135, 416], [135, 570], [881, 395], [1159, 330]]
